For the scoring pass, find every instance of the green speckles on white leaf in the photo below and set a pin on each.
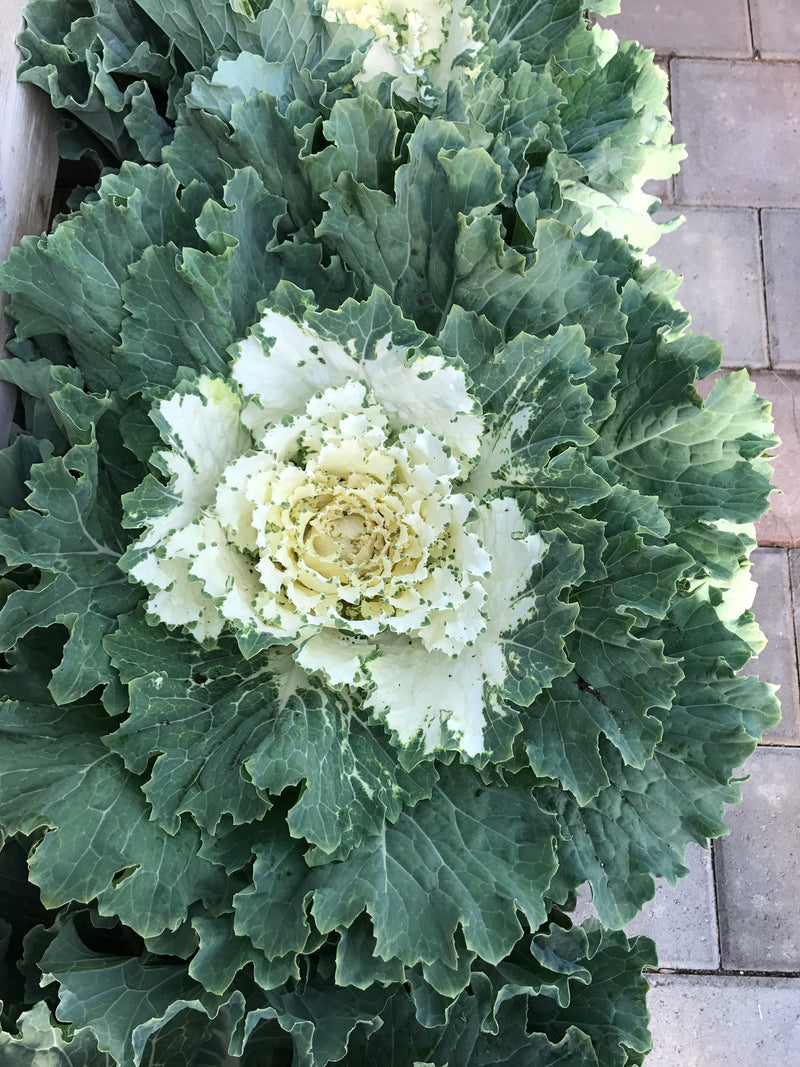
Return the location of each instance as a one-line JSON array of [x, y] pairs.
[[422, 38], [205, 433], [206, 439], [277, 364], [338, 656], [177, 600], [282, 365], [427, 695]]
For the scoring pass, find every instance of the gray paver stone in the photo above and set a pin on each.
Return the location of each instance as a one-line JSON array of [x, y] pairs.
[[728, 304], [662, 188], [781, 524], [758, 868], [776, 28], [681, 920], [777, 662], [781, 230], [716, 1021], [673, 27], [739, 122]]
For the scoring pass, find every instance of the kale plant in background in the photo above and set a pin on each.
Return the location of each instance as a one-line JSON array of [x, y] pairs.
[[375, 576]]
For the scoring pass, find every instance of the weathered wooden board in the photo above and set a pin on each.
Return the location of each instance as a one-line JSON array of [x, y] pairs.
[[28, 160]]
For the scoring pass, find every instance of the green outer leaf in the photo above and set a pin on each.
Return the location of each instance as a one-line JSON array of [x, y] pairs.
[[702, 460], [259, 136], [535, 653], [469, 337], [637, 829], [352, 781], [42, 1043], [561, 734], [201, 28], [358, 325], [550, 963], [538, 27], [357, 962], [543, 377], [521, 106], [293, 32], [69, 282], [21, 911], [227, 732], [611, 1007], [65, 532], [16, 462], [285, 30], [201, 736], [136, 649], [462, 1039], [406, 244], [55, 772], [471, 855], [320, 1018], [271, 910], [538, 414], [185, 308], [81, 53], [222, 954], [74, 411], [122, 1001], [616, 122], [617, 658], [557, 286], [363, 142], [622, 671]]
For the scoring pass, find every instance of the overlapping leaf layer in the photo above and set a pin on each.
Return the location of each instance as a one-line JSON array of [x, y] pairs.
[[229, 857]]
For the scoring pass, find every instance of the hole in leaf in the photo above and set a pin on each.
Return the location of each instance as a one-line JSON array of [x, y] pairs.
[[126, 872]]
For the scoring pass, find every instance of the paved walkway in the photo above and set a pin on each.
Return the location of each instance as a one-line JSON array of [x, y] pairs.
[[728, 992]]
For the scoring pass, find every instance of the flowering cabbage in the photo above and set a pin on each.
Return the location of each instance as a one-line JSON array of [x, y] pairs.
[[374, 574]]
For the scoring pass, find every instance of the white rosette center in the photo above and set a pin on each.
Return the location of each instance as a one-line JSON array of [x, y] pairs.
[[353, 526]]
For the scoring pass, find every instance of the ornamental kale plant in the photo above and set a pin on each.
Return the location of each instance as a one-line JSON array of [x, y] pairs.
[[375, 576]]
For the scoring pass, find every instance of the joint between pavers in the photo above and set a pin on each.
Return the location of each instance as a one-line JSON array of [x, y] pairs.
[[756, 57], [793, 618], [751, 30], [721, 972], [730, 206], [713, 860], [764, 301]]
